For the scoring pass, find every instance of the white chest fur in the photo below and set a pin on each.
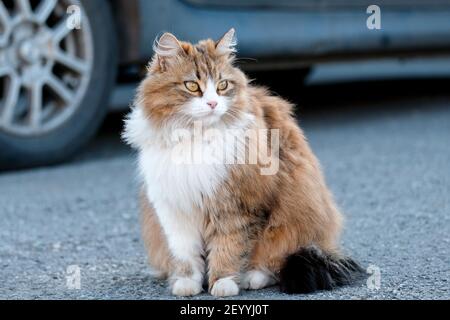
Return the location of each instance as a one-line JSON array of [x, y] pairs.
[[182, 185], [182, 174]]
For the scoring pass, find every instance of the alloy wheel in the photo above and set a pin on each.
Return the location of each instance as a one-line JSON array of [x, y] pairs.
[[45, 64]]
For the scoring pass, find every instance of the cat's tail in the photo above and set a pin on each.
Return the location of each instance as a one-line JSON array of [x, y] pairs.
[[311, 269]]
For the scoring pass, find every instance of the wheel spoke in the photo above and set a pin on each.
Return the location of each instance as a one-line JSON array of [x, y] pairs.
[[24, 7], [61, 31], [5, 22], [12, 96], [36, 105], [4, 15], [4, 71], [44, 10], [71, 62], [60, 89]]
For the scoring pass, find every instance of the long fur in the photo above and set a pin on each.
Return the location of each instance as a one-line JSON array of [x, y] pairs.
[[311, 270], [227, 223]]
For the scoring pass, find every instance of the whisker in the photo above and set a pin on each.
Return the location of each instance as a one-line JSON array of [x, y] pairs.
[[246, 59]]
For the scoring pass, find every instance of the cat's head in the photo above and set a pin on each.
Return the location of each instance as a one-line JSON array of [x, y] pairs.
[[193, 82]]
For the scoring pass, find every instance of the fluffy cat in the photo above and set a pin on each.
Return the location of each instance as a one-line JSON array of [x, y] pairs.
[[219, 223]]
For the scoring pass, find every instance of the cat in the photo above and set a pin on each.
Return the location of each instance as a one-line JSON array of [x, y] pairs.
[[227, 225]]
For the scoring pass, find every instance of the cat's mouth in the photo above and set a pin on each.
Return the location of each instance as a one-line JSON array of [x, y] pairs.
[[211, 115]]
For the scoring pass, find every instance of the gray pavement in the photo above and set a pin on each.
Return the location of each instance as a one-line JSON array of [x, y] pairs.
[[388, 163]]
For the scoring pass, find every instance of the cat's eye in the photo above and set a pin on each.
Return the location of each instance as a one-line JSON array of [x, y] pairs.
[[223, 85], [192, 86]]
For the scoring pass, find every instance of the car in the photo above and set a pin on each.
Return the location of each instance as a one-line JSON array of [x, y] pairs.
[[64, 64]]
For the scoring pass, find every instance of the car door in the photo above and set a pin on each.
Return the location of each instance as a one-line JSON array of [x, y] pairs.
[[306, 29]]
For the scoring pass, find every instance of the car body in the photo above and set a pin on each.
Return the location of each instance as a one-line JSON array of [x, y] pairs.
[[292, 31], [79, 71]]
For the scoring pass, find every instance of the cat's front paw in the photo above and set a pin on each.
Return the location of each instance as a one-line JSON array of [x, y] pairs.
[[225, 287], [186, 287]]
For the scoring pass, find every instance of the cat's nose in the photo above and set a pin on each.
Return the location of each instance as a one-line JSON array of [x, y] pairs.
[[212, 104]]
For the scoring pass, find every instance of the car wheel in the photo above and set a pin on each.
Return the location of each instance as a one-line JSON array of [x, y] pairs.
[[57, 68]]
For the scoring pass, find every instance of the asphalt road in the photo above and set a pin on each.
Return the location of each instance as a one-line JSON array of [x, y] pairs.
[[385, 148]]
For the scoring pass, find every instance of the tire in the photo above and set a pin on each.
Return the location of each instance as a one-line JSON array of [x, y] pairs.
[[67, 139]]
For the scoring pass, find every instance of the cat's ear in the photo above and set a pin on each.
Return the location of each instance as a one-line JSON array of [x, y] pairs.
[[167, 46], [227, 44]]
